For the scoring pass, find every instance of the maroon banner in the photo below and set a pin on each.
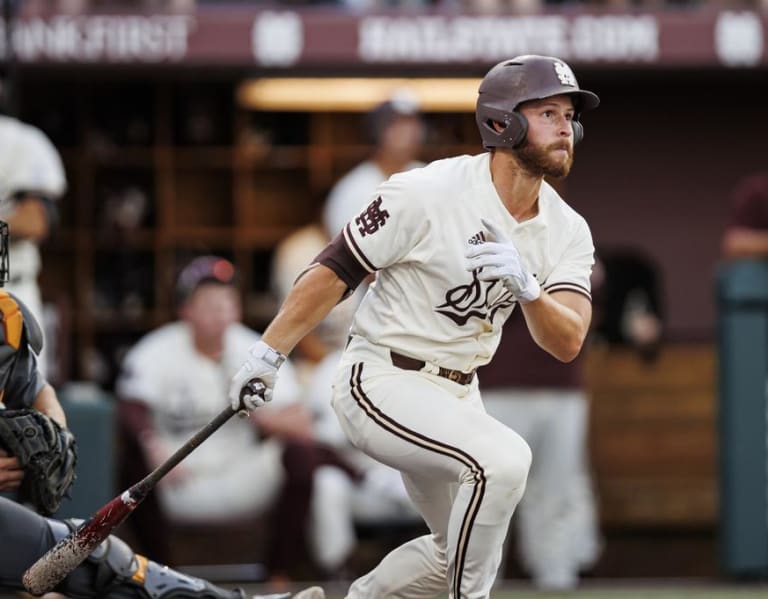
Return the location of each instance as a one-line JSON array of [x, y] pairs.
[[278, 38]]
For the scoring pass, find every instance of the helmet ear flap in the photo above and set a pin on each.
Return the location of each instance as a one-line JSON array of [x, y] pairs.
[[516, 130], [578, 132]]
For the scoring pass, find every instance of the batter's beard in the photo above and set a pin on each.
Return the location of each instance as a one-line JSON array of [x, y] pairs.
[[536, 160]]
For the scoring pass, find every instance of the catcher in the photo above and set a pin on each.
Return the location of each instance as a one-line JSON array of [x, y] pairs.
[[112, 571], [37, 451], [37, 462]]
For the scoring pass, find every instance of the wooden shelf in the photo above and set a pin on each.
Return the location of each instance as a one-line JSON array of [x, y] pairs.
[[121, 157], [196, 235], [248, 181], [112, 321], [203, 157], [122, 240]]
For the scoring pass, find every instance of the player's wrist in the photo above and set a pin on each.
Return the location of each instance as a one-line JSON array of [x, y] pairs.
[[530, 295], [530, 292], [267, 354]]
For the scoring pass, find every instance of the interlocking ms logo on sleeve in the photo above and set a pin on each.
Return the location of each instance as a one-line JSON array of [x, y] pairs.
[[564, 73], [372, 218]]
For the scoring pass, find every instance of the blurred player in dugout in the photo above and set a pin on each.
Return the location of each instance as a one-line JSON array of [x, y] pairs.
[[113, 571], [746, 231], [396, 129], [32, 180], [174, 381]]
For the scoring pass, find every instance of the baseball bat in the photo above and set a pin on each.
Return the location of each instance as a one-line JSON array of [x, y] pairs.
[[71, 551]]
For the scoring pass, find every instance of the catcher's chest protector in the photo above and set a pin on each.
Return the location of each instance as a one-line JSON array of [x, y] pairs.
[[13, 320], [20, 337], [10, 337]]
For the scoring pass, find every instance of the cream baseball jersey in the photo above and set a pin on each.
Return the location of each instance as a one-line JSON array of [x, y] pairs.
[[414, 235], [185, 389]]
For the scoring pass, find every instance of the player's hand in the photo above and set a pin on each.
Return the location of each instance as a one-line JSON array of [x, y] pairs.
[[260, 366], [11, 473], [500, 260]]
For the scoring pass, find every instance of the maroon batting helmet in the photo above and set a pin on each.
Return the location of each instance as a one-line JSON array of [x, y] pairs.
[[518, 80]]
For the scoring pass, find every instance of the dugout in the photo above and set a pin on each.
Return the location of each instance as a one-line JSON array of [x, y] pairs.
[[153, 118]]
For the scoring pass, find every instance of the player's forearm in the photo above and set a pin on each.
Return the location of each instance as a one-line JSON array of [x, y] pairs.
[[47, 403], [557, 328], [309, 302], [745, 243]]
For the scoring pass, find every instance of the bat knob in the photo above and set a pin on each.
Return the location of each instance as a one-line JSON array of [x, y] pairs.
[[253, 387]]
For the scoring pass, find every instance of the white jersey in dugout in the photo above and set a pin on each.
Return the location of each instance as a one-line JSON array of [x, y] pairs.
[[415, 233]]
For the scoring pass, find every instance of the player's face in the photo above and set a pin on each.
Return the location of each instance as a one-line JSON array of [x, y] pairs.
[[211, 310], [548, 146], [403, 138]]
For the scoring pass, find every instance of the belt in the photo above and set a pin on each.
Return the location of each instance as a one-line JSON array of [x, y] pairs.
[[406, 363]]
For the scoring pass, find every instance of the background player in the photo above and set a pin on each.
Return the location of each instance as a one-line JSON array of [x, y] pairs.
[[113, 571], [32, 180], [455, 247], [22, 385], [174, 380]]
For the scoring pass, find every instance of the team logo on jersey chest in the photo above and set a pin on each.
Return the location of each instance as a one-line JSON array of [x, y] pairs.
[[478, 299], [372, 218]]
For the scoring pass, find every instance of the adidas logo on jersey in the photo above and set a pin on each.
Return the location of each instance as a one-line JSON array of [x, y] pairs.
[[477, 238]]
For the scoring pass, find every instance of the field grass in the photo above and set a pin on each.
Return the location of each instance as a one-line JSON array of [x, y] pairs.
[[599, 590], [613, 590]]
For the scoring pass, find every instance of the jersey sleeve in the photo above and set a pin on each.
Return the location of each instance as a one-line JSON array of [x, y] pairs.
[[140, 378], [573, 271], [386, 230]]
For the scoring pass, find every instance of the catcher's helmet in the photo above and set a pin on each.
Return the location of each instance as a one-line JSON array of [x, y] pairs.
[[5, 269], [518, 80]]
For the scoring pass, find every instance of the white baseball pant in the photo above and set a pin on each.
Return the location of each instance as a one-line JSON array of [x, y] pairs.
[[464, 471]]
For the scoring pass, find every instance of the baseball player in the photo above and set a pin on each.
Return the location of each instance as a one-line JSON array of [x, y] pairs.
[[22, 385], [455, 246], [398, 132], [112, 571], [32, 180], [174, 380]]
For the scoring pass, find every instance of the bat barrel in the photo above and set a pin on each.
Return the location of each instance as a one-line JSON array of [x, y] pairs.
[[55, 565], [71, 551]]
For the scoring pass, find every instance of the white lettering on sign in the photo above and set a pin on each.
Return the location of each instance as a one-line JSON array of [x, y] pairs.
[[619, 37], [277, 38], [441, 39], [102, 38], [739, 38], [465, 38]]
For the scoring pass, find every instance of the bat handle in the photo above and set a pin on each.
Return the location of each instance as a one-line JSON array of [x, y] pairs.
[[252, 387]]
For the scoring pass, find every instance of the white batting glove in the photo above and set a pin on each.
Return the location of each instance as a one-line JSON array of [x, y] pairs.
[[252, 385], [500, 260]]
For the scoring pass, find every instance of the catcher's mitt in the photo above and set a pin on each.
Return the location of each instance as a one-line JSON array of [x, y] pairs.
[[46, 452]]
